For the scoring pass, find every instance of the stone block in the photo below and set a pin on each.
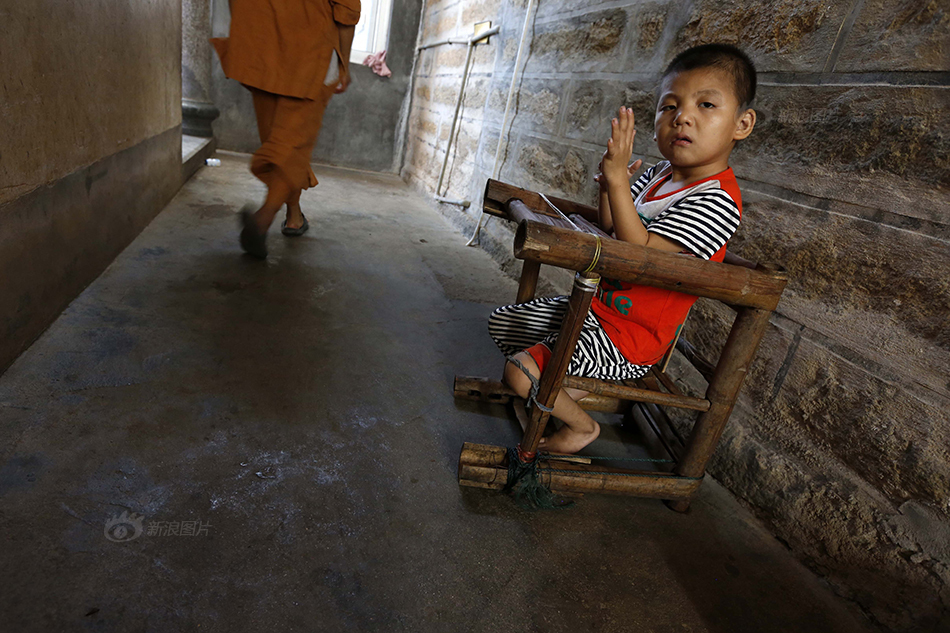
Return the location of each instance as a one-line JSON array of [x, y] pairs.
[[480, 11], [538, 105], [896, 442], [510, 51], [448, 24], [786, 35], [476, 94], [649, 24], [449, 57], [446, 92], [593, 103], [587, 43], [883, 147], [551, 167], [836, 525], [483, 58], [906, 35], [872, 288], [423, 92]]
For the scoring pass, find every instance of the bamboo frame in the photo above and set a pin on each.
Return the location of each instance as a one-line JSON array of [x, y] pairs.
[[543, 237]]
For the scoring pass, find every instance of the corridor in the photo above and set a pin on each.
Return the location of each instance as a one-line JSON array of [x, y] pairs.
[[284, 435]]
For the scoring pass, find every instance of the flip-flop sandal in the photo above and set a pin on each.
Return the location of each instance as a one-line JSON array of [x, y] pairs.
[[252, 242], [289, 232]]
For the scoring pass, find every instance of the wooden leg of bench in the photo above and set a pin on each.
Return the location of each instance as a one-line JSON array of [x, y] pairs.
[[737, 355], [553, 374], [529, 281]]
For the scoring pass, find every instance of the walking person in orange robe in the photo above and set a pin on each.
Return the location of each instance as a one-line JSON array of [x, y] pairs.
[[293, 55]]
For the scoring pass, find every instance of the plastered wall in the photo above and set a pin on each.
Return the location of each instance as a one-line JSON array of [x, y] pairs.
[[90, 109], [82, 80], [841, 440]]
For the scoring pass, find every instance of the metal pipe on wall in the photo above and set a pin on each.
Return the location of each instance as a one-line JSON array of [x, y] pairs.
[[504, 124], [470, 42]]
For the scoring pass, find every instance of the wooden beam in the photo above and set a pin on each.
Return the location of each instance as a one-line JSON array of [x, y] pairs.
[[574, 250], [604, 396], [636, 394], [498, 193], [528, 284], [485, 466], [493, 391]]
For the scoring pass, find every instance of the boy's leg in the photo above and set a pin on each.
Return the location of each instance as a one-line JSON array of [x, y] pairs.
[[519, 326], [579, 429]]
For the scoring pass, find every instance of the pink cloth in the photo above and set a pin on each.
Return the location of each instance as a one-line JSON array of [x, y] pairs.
[[377, 62]]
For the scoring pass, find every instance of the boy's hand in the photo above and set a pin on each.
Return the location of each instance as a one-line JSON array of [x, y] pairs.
[[632, 170], [614, 165]]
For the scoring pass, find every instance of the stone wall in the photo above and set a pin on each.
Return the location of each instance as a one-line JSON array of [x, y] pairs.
[[90, 147], [841, 440]]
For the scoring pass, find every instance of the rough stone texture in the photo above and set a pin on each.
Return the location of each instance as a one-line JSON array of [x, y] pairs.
[[588, 42], [539, 105], [551, 167], [595, 103], [908, 35], [788, 35], [883, 147], [840, 441], [858, 281], [82, 81]]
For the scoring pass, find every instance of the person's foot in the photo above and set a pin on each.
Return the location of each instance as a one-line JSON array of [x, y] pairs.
[[295, 219], [296, 224], [253, 241], [568, 441]]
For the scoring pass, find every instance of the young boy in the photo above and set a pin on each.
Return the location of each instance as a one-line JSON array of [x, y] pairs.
[[688, 203]]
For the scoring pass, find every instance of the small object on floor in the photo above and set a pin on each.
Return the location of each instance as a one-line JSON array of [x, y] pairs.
[[252, 242], [213, 162], [290, 232]]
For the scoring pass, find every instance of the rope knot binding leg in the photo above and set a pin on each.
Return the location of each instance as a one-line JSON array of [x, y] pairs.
[[535, 385], [524, 483]]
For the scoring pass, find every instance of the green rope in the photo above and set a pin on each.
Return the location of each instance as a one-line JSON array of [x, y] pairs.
[[524, 483]]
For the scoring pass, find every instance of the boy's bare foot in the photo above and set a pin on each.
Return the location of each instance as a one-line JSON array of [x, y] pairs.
[[567, 441]]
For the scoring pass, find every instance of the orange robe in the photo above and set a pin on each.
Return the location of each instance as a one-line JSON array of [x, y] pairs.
[[281, 51]]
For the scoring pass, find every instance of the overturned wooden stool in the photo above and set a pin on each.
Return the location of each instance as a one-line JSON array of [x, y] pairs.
[[560, 233]]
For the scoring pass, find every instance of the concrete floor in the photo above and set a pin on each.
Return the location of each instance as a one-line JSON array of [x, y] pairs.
[[298, 415]]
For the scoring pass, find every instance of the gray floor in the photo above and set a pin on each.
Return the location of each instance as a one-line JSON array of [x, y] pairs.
[[287, 432]]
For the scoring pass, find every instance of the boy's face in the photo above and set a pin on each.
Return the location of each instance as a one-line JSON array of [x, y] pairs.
[[698, 119]]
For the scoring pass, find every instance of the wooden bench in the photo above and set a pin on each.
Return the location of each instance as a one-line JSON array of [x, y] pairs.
[[548, 234]]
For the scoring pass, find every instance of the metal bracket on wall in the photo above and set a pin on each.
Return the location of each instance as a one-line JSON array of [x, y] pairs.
[[482, 33]]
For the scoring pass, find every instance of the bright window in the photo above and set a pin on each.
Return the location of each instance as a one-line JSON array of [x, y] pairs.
[[372, 31]]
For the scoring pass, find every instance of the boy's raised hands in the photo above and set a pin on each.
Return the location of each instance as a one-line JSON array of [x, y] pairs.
[[615, 165]]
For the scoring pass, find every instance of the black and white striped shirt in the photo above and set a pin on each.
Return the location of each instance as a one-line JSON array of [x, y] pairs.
[[701, 217]]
